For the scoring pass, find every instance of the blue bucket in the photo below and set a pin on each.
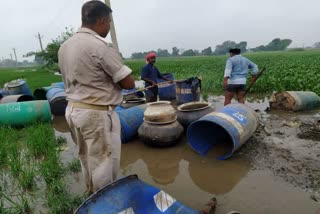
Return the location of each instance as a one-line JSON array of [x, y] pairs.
[[57, 99], [131, 195], [19, 87], [130, 119], [167, 91], [184, 93], [224, 131], [58, 84]]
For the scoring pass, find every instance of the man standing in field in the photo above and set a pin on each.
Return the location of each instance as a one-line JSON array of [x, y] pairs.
[[94, 75], [149, 74], [235, 75]]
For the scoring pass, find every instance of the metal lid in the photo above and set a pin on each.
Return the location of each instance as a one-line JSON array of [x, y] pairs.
[[16, 83]]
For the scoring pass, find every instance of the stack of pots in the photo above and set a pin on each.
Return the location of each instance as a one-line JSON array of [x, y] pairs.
[[160, 126]]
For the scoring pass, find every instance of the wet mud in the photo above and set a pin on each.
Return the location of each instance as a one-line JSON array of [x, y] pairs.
[[276, 171]]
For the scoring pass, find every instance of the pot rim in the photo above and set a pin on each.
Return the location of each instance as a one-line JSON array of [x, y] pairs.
[[180, 107], [159, 102]]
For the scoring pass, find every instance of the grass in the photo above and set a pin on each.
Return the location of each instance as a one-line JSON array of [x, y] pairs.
[[30, 158]]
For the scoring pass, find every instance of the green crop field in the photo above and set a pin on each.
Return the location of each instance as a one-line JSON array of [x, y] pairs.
[[285, 70]]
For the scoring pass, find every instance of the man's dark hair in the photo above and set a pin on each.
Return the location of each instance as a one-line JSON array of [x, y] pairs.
[[92, 11], [235, 51]]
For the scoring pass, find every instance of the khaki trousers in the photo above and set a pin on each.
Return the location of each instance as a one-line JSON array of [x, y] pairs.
[[97, 134]]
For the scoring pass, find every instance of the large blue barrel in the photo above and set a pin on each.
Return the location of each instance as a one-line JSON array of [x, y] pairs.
[[225, 131], [167, 91], [58, 84], [130, 119], [57, 99], [19, 87], [131, 195], [184, 93]]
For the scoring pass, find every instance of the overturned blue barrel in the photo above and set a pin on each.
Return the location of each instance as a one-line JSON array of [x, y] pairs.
[[130, 119], [57, 99], [167, 91], [131, 195], [187, 92], [224, 131], [19, 87], [58, 84]]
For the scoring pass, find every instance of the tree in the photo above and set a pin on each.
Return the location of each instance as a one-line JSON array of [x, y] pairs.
[[207, 51], [175, 51], [242, 46], [316, 45], [189, 52], [275, 45], [50, 54], [163, 53], [224, 47]]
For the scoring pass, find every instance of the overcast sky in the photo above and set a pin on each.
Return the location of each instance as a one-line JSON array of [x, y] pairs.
[[143, 25]]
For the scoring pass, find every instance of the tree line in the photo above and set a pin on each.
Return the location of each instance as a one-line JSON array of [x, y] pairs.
[[222, 49]]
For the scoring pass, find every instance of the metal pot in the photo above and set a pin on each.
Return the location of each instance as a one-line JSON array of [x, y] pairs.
[[160, 113], [192, 111]]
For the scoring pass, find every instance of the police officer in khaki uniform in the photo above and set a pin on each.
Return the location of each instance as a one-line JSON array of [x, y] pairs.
[[94, 75]]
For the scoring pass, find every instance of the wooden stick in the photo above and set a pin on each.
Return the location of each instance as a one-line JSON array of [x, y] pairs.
[[252, 83], [151, 86]]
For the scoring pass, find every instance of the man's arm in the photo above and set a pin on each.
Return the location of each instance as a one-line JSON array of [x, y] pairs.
[[254, 70], [227, 73], [112, 64]]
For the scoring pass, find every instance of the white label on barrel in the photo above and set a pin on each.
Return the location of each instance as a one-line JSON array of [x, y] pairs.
[[163, 201], [239, 116], [13, 107], [127, 211]]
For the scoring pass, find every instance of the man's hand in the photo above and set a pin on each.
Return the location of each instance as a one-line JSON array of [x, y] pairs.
[[254, 79], [225, 83], [153, 83]]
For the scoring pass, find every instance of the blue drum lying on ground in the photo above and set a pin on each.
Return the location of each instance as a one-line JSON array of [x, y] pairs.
[[224, 131], [19, 87], [167, 91], [58, 84], [131, 195], [57, 99], [130, 120]]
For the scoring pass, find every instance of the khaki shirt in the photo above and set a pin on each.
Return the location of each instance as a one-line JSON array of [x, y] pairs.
[[91, 69]]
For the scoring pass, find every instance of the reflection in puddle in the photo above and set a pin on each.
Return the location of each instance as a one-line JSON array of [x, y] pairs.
[[193, 179]]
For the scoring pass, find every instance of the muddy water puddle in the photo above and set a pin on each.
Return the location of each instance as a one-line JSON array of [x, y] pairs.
[[193, 179]]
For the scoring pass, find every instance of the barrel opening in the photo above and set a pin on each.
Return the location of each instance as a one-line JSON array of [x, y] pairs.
[[24, 98], [40, 94], [206, 135]]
